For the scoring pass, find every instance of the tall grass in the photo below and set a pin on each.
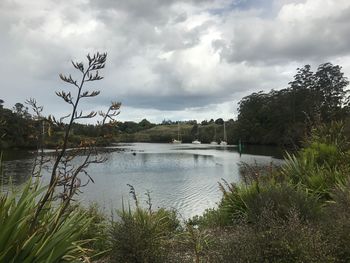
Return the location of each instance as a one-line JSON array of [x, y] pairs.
[[142, 235]]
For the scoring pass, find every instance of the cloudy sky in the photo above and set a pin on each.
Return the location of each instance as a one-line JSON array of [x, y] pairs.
[[167, 59]]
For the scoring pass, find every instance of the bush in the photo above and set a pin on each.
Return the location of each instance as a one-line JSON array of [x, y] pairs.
[[281, 199], [335, 224], [142, 235], [306, 171], [247, 202], [272, 239]]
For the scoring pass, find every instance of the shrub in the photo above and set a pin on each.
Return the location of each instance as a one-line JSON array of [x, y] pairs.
[[281, 198], [335, 224], [142, 235], [304, 170], [248, 201], [272, 239], [211, 218]]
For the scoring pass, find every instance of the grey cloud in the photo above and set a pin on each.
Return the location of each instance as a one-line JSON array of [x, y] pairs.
[[159, 53], [170, 103], [176, 86], [258, 40], [155, 11]]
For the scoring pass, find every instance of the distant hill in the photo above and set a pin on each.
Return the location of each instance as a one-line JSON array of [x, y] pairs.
[[188, 133]]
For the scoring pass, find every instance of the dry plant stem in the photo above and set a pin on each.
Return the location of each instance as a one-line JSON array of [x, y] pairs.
[[112, 112], [95, 63], [39, 160]]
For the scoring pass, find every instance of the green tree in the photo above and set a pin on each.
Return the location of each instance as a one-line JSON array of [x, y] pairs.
[[330, 92], [286, 116]]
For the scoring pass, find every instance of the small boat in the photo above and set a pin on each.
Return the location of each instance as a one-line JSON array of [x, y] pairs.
[[214, 142], [224, 142], [196, 141], [178, 141]]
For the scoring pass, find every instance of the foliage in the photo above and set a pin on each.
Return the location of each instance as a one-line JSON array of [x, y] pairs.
[[335, 223], [52, 238], [248, 202], [142, 235], [323, 164], [272, 239], [285, 116], [97, 231], [17, 130]]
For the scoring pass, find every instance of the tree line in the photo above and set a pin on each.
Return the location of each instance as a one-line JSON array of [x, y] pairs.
[[286, 116], [278, 117]]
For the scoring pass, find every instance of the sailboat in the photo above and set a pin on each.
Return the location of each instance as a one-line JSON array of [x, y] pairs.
[[178, 141], [196, 141], [224, 142], [214, 142]]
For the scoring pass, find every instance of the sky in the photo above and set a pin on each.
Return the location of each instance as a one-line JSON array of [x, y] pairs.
[[167, 59]]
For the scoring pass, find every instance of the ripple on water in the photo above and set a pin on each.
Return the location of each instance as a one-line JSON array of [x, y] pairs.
[[181, 177]]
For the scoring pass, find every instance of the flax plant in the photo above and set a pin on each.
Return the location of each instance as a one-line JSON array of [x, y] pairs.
[[54, 238]]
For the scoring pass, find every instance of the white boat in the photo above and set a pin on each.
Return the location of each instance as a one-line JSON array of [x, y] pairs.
[[178, 141], [224, 142], [196, 141], [214, 142]]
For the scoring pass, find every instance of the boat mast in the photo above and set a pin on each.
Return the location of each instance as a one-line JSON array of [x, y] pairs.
[[225, 137]]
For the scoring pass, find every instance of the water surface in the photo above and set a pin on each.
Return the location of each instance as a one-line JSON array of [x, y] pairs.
[[184, 176]]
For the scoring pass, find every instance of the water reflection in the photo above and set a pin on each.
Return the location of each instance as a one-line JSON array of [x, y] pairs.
[[180, 176]]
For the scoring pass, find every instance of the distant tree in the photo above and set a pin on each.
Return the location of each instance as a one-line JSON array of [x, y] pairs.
[[192, 122], [1, 103], [219, 121], [194, 130], [145, 124], [21, 110], [167, 122], [204, 122], [129, 127]]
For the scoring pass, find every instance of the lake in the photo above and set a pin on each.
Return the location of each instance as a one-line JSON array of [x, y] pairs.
[[180, 176]]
